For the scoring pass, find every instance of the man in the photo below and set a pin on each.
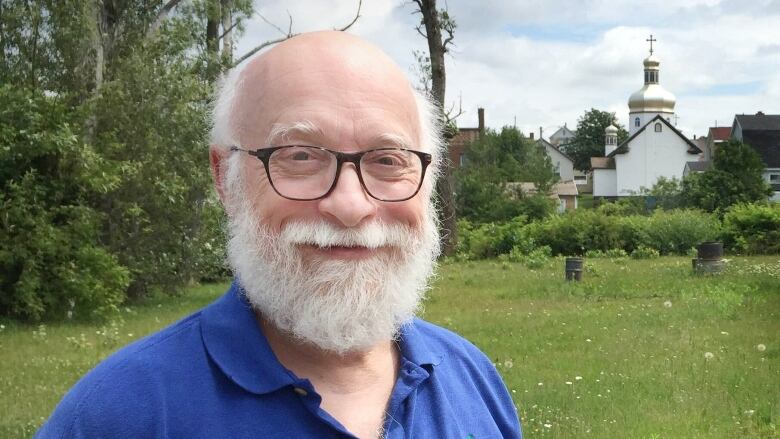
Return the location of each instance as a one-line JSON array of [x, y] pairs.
[[325, 159]]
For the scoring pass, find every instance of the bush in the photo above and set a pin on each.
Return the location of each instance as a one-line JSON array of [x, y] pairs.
[[645, 253], [51, 263], [752, 228], [592, 233], [676, 231]]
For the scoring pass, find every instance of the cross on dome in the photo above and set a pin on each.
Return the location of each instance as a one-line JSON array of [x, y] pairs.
[[651, 40]]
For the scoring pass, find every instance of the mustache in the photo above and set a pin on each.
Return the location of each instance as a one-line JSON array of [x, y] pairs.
[[373, 235]]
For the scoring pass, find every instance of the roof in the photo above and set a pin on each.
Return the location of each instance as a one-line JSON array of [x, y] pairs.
[[562, 188], [602, 163], [623, 147], [758, 121], [720, 133], [766, 143], [546, 143], [698, 166]]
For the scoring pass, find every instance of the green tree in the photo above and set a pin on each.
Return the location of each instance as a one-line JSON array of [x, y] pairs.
[[485, 185], [588, 141], [736, 177], [52, 263]]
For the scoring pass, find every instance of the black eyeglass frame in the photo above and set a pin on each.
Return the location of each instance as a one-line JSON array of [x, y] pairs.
[[264, 155]]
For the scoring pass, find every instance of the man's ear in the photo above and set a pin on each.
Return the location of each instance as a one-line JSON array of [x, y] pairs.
[[218, 162]]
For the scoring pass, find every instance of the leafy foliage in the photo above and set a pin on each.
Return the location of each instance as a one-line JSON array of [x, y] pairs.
[[589, 139], [486, 188], [736, 177], [51, 262], [753, 228], [592, 233]]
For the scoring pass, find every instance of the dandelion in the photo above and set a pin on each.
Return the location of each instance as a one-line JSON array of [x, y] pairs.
[[709, 355], [508, 364], [668, 304], [547, 425], [724, 333], [749, 412], [568, 383], [540, 384], [577, 378], [588, 340], [761, 347]]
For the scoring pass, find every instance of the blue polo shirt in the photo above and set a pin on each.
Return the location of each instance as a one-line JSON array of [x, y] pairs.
[[213, 375]]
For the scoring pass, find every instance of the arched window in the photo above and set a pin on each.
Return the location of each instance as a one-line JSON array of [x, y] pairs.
[[636, 122], [658, 127]]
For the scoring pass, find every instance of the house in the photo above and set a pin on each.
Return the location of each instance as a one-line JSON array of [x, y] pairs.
[[464, 138], [715, 136], [562, 163], [564, 193], [562, 136], [762, 132], [654, 148]]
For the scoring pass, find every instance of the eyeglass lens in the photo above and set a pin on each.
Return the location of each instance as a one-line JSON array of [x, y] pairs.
[[306, 173]]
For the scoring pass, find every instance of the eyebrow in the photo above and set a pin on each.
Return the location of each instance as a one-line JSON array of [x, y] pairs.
[[393, 140], [283, 132]]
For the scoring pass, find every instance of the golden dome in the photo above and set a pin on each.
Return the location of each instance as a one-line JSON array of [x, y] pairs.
[[652, 97]]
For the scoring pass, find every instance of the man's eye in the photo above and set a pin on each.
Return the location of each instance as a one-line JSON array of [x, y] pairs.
[[301, 155], [388, 161]]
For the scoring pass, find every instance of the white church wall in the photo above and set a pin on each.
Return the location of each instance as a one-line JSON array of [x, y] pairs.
[[651, 155], [604, 183], [644, 118]]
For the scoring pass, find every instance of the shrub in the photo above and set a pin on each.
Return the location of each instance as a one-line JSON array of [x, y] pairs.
[[645, 253], [752, 228], [676, 231], [51, 263]]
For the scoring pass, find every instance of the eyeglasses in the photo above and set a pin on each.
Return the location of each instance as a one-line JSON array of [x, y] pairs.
[[306, 173]]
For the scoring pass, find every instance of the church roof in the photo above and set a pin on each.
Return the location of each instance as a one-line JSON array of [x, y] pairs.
[[602, 163], [623, 147]]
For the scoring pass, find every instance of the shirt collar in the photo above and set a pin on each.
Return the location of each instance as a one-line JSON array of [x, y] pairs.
[[234, 341]]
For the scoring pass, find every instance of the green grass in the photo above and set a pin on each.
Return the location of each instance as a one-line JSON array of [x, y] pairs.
[[635, 333]]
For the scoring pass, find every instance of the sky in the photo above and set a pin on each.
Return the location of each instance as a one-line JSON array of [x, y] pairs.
[[544, 63]]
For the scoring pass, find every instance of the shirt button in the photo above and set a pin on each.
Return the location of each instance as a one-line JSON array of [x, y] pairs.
[[300, 391]]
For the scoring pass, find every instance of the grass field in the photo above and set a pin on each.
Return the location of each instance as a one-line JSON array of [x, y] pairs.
[[639, 349]]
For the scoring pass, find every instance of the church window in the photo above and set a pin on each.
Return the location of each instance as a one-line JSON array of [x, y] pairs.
[[658, 127], [636, 122]]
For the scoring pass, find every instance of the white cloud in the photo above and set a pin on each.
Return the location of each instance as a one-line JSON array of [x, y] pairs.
[[546, 63]]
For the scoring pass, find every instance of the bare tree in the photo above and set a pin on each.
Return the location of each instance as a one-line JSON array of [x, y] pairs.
[[287, 34], [438, 28]]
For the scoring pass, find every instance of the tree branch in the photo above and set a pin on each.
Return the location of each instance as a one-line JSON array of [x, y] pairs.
[[229, 29], [162, 15], [289, 34], [357, 15]]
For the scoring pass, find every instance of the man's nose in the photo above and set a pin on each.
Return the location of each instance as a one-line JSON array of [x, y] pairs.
[[348, 204]]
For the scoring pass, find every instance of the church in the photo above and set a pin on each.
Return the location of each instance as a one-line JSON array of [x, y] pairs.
[[654, 148]]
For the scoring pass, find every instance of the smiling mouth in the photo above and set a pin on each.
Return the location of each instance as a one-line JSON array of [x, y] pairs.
[[341, 251]]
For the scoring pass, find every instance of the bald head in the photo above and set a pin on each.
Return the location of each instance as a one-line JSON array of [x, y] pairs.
[[341, 85]]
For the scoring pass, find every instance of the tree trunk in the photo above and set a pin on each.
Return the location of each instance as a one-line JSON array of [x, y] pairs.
[[444, 187], [227, 29]]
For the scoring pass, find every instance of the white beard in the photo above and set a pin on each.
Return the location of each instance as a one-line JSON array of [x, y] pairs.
[[337, 305]]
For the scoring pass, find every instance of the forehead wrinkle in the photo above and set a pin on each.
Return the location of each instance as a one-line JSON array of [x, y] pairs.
[[284, 131], [393, 140]]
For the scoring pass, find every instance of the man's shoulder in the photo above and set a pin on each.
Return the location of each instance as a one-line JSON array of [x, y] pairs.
[[127, 384], [446, 341]]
